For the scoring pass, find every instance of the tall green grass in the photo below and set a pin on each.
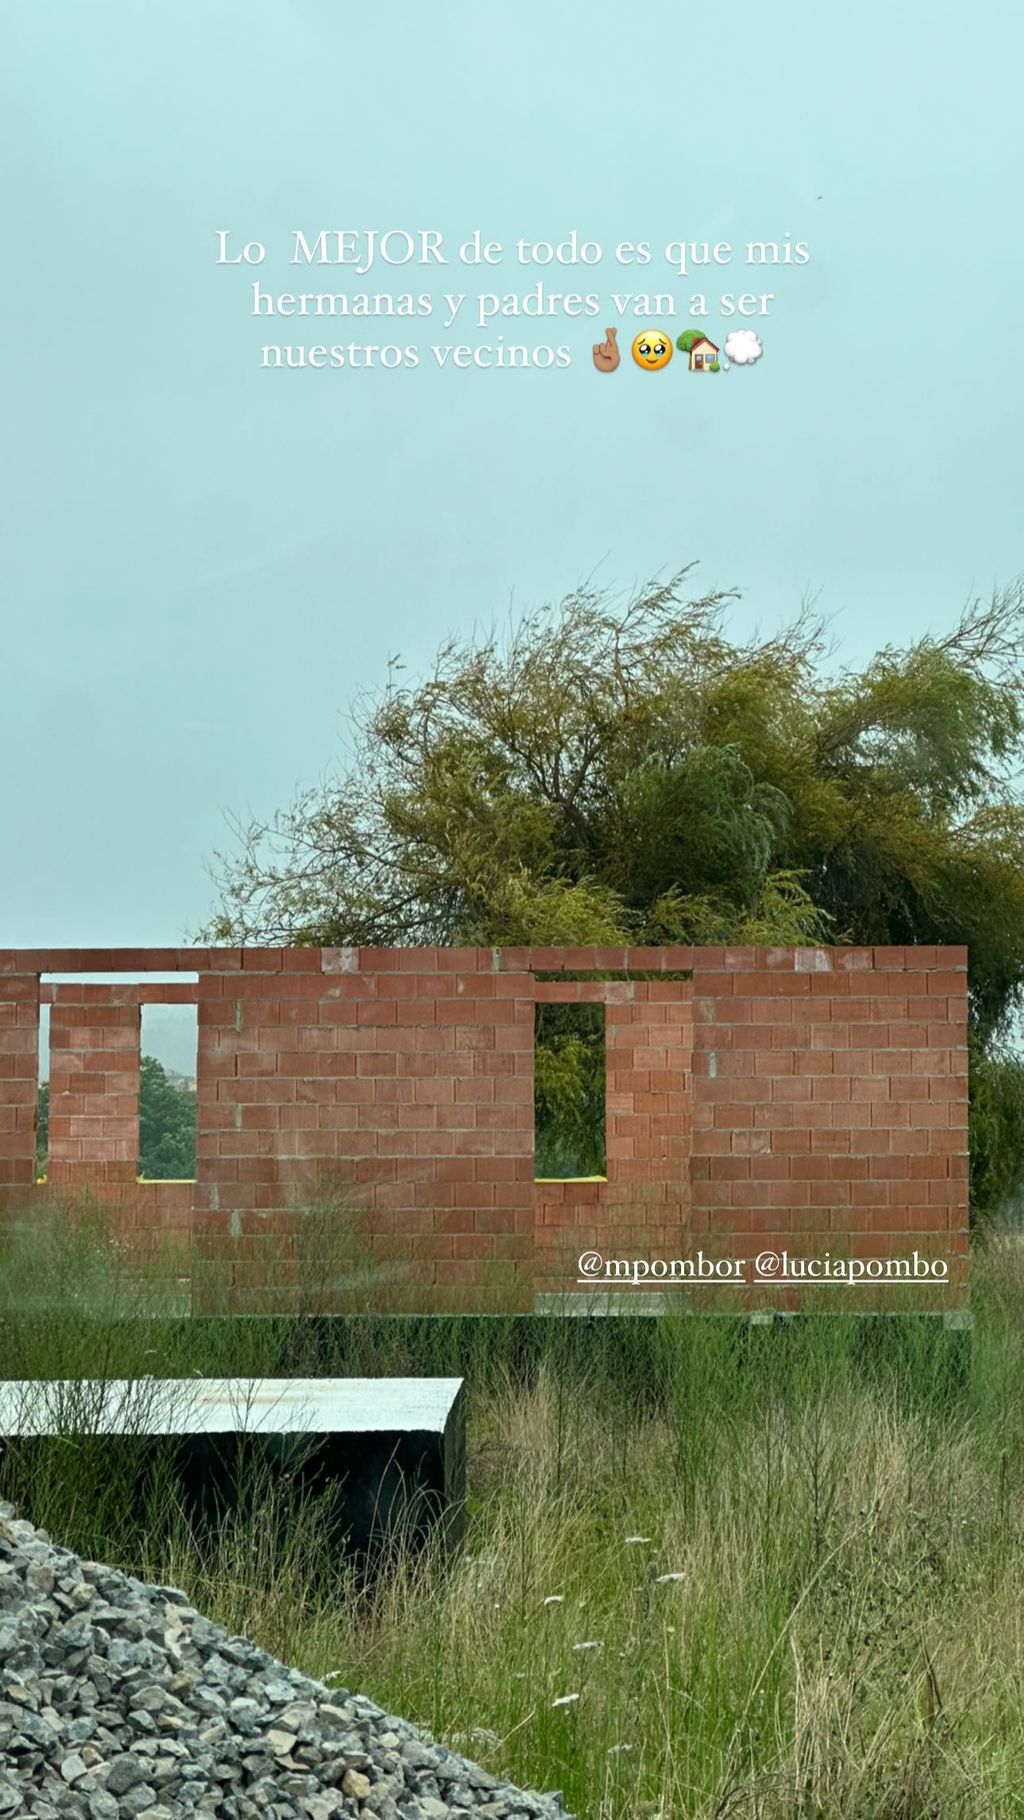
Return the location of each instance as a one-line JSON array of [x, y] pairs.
[[711, 1570]]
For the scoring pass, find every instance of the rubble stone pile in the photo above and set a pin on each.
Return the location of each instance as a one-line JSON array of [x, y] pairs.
[[118, 1701]]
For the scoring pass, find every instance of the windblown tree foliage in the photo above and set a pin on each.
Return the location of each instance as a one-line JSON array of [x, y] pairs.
[[609, 773]]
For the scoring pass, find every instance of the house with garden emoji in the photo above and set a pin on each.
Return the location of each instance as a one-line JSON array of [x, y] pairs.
[[702, 353]]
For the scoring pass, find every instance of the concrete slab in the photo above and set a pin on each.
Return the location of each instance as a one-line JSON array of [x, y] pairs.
[[390, 1451], [180, 1406]]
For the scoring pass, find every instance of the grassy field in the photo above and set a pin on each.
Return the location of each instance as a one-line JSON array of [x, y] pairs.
[[709, 1571]]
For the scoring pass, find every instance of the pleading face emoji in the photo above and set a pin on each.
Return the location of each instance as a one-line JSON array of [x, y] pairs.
[[652, 349]]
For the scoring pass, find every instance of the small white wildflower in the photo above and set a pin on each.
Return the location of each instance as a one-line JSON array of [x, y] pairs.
[[632, 1539], [663, 1579], [565, 1699], [555, 1598], [578, 1648], [614, 1749], [519, 1674]]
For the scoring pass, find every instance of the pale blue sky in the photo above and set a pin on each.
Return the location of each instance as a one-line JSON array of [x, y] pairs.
[[203, 562]]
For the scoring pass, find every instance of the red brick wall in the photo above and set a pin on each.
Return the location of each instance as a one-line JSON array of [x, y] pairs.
[[831, 1102], [94, 1085], [19, 1077], [401, 1083], [807, 1099]]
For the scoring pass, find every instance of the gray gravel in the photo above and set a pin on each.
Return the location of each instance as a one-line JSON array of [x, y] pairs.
[[118, 1701]]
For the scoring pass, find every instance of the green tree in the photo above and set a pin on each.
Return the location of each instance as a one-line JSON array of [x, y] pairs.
[[569, 1090], [167, 1125], [610, 773], [42, 1127]]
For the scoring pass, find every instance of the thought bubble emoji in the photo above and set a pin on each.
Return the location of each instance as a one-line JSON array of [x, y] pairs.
[[743, 347]]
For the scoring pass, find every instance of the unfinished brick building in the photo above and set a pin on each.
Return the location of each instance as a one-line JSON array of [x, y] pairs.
[[804, 1099]]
